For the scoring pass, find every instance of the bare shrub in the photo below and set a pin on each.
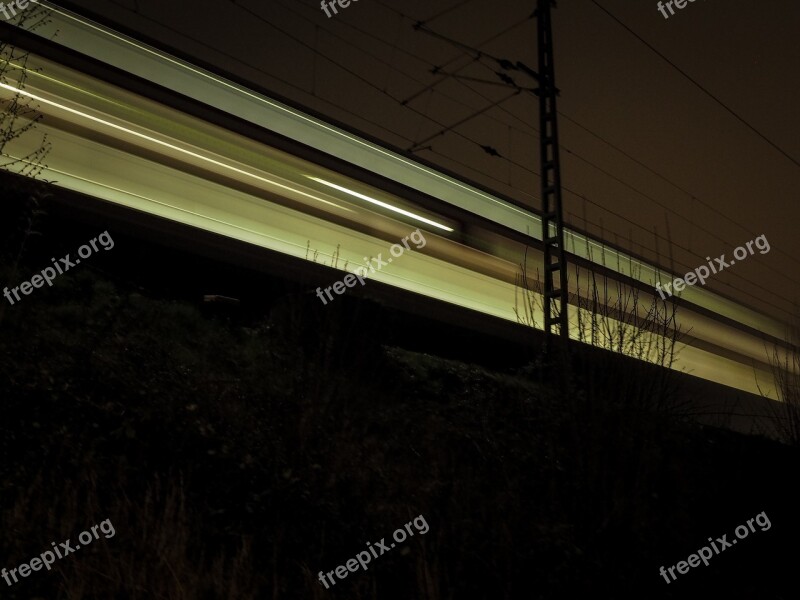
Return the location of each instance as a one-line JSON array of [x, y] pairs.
[[20, 114], [615, 315], [785, 366]]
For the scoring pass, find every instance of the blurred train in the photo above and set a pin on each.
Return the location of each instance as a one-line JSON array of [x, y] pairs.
[[139, 127]]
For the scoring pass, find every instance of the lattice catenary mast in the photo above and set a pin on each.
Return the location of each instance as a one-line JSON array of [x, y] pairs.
[[552, 213]]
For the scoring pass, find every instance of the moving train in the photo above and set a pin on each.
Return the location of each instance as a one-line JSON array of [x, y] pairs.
[[147, 130]]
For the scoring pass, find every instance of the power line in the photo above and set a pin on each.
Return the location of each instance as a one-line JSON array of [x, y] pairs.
[[368, 33], [441, 13], [669, 181], [664, 178], [619, 180], [504, 80], [268, 74], [420, 26], [391, 66], [698, 85], [462, 121], [446, 64], [503, 63]]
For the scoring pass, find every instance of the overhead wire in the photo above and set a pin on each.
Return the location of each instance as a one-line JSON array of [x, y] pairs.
[[357, 75], [451, 61], [404, 73], [643, 194], [267, 73], [692, 196], [669, 181], [462, 121], [446, 11], [697, 84], [506, 30]]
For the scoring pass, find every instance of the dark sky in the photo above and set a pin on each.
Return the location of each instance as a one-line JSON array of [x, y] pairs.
[[716, 185]]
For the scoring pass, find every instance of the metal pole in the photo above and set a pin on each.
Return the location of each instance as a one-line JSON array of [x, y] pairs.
[[552, 213]]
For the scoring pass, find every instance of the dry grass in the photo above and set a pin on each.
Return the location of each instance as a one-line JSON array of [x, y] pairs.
[[156, 551]]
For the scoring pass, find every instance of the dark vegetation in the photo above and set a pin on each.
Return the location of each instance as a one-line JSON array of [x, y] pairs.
[[238, 454]]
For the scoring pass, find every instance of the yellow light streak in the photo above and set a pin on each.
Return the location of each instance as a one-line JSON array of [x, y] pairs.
[[380, 203], [167, 144]]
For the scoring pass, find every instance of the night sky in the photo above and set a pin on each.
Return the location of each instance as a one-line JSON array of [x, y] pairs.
[[658, 149]]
